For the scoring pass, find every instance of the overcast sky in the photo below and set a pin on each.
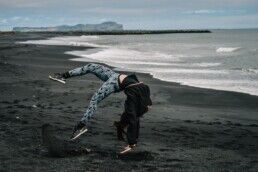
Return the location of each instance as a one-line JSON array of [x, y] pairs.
[[133, 14]]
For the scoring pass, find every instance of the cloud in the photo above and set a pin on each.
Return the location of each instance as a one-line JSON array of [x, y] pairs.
[[215, 12], [242, 21], [3, 21], [16, 18], [135, 11], [205, 11], [129, 4], [134, 14], [24, 3]]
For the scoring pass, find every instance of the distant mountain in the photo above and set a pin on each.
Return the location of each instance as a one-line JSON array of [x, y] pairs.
[[106, 26]]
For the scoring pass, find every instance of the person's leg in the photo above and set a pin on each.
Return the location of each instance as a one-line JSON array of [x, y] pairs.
[[108, 87], [102, 72], [138, 129]]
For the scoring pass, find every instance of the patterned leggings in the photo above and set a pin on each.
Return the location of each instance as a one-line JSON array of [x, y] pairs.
[[110, 85]]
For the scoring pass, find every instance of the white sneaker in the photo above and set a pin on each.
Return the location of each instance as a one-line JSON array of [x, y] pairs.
[[79, 129], [127, 149], [57, 77]]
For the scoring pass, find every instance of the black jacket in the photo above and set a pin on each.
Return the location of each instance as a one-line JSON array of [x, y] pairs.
[[138, 98]]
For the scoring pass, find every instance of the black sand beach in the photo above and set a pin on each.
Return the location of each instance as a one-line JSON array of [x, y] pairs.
[[188, 128]]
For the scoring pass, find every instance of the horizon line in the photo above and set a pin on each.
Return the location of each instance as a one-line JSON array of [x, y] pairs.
[[137, 29]]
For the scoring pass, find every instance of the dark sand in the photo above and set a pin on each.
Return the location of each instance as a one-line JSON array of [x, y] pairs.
[[59, 146], [188, 129]]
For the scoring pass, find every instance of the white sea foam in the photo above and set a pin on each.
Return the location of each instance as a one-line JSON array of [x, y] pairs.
[[78, 41], [89, 37], [246, 70], [167, 64], [164, 61], [205, 64], [144, 63], [243, 86], [251, 70], [171, 68], [84, 44], [188, 71], [227, 49], [119, 54]]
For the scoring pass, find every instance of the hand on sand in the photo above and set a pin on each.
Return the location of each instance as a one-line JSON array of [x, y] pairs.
[[127, 149]]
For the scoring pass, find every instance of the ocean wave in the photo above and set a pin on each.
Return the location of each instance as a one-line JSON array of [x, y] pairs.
[[144, 63], [174, 64], [122, 54], [202, 77], [89, 37], [251, 70], [246, 70], [227, 49], [162, 62], [191, 71], [77, 41], [242, 86], [84, 44], [205, 64], [76, 38]]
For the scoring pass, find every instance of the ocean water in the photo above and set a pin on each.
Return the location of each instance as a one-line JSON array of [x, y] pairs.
[[221, 60]]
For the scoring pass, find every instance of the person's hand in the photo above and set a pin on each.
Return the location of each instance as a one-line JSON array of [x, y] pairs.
[[127, 149]]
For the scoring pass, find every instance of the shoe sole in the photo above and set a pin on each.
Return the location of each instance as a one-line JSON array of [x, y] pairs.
[[125, 151], [79, 134], [55, 79]]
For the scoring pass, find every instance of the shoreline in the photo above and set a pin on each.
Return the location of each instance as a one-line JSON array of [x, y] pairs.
[[122, 32], [188, 128], [252, 99], [151, 75], [80, 58]]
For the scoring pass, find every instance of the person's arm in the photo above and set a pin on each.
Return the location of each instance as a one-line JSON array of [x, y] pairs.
[[131, 120]]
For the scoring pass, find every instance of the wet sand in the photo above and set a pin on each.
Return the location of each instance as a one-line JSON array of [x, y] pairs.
[[188, 128]]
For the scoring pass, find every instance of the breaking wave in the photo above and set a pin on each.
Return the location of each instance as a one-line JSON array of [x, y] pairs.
[[227, 49]]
